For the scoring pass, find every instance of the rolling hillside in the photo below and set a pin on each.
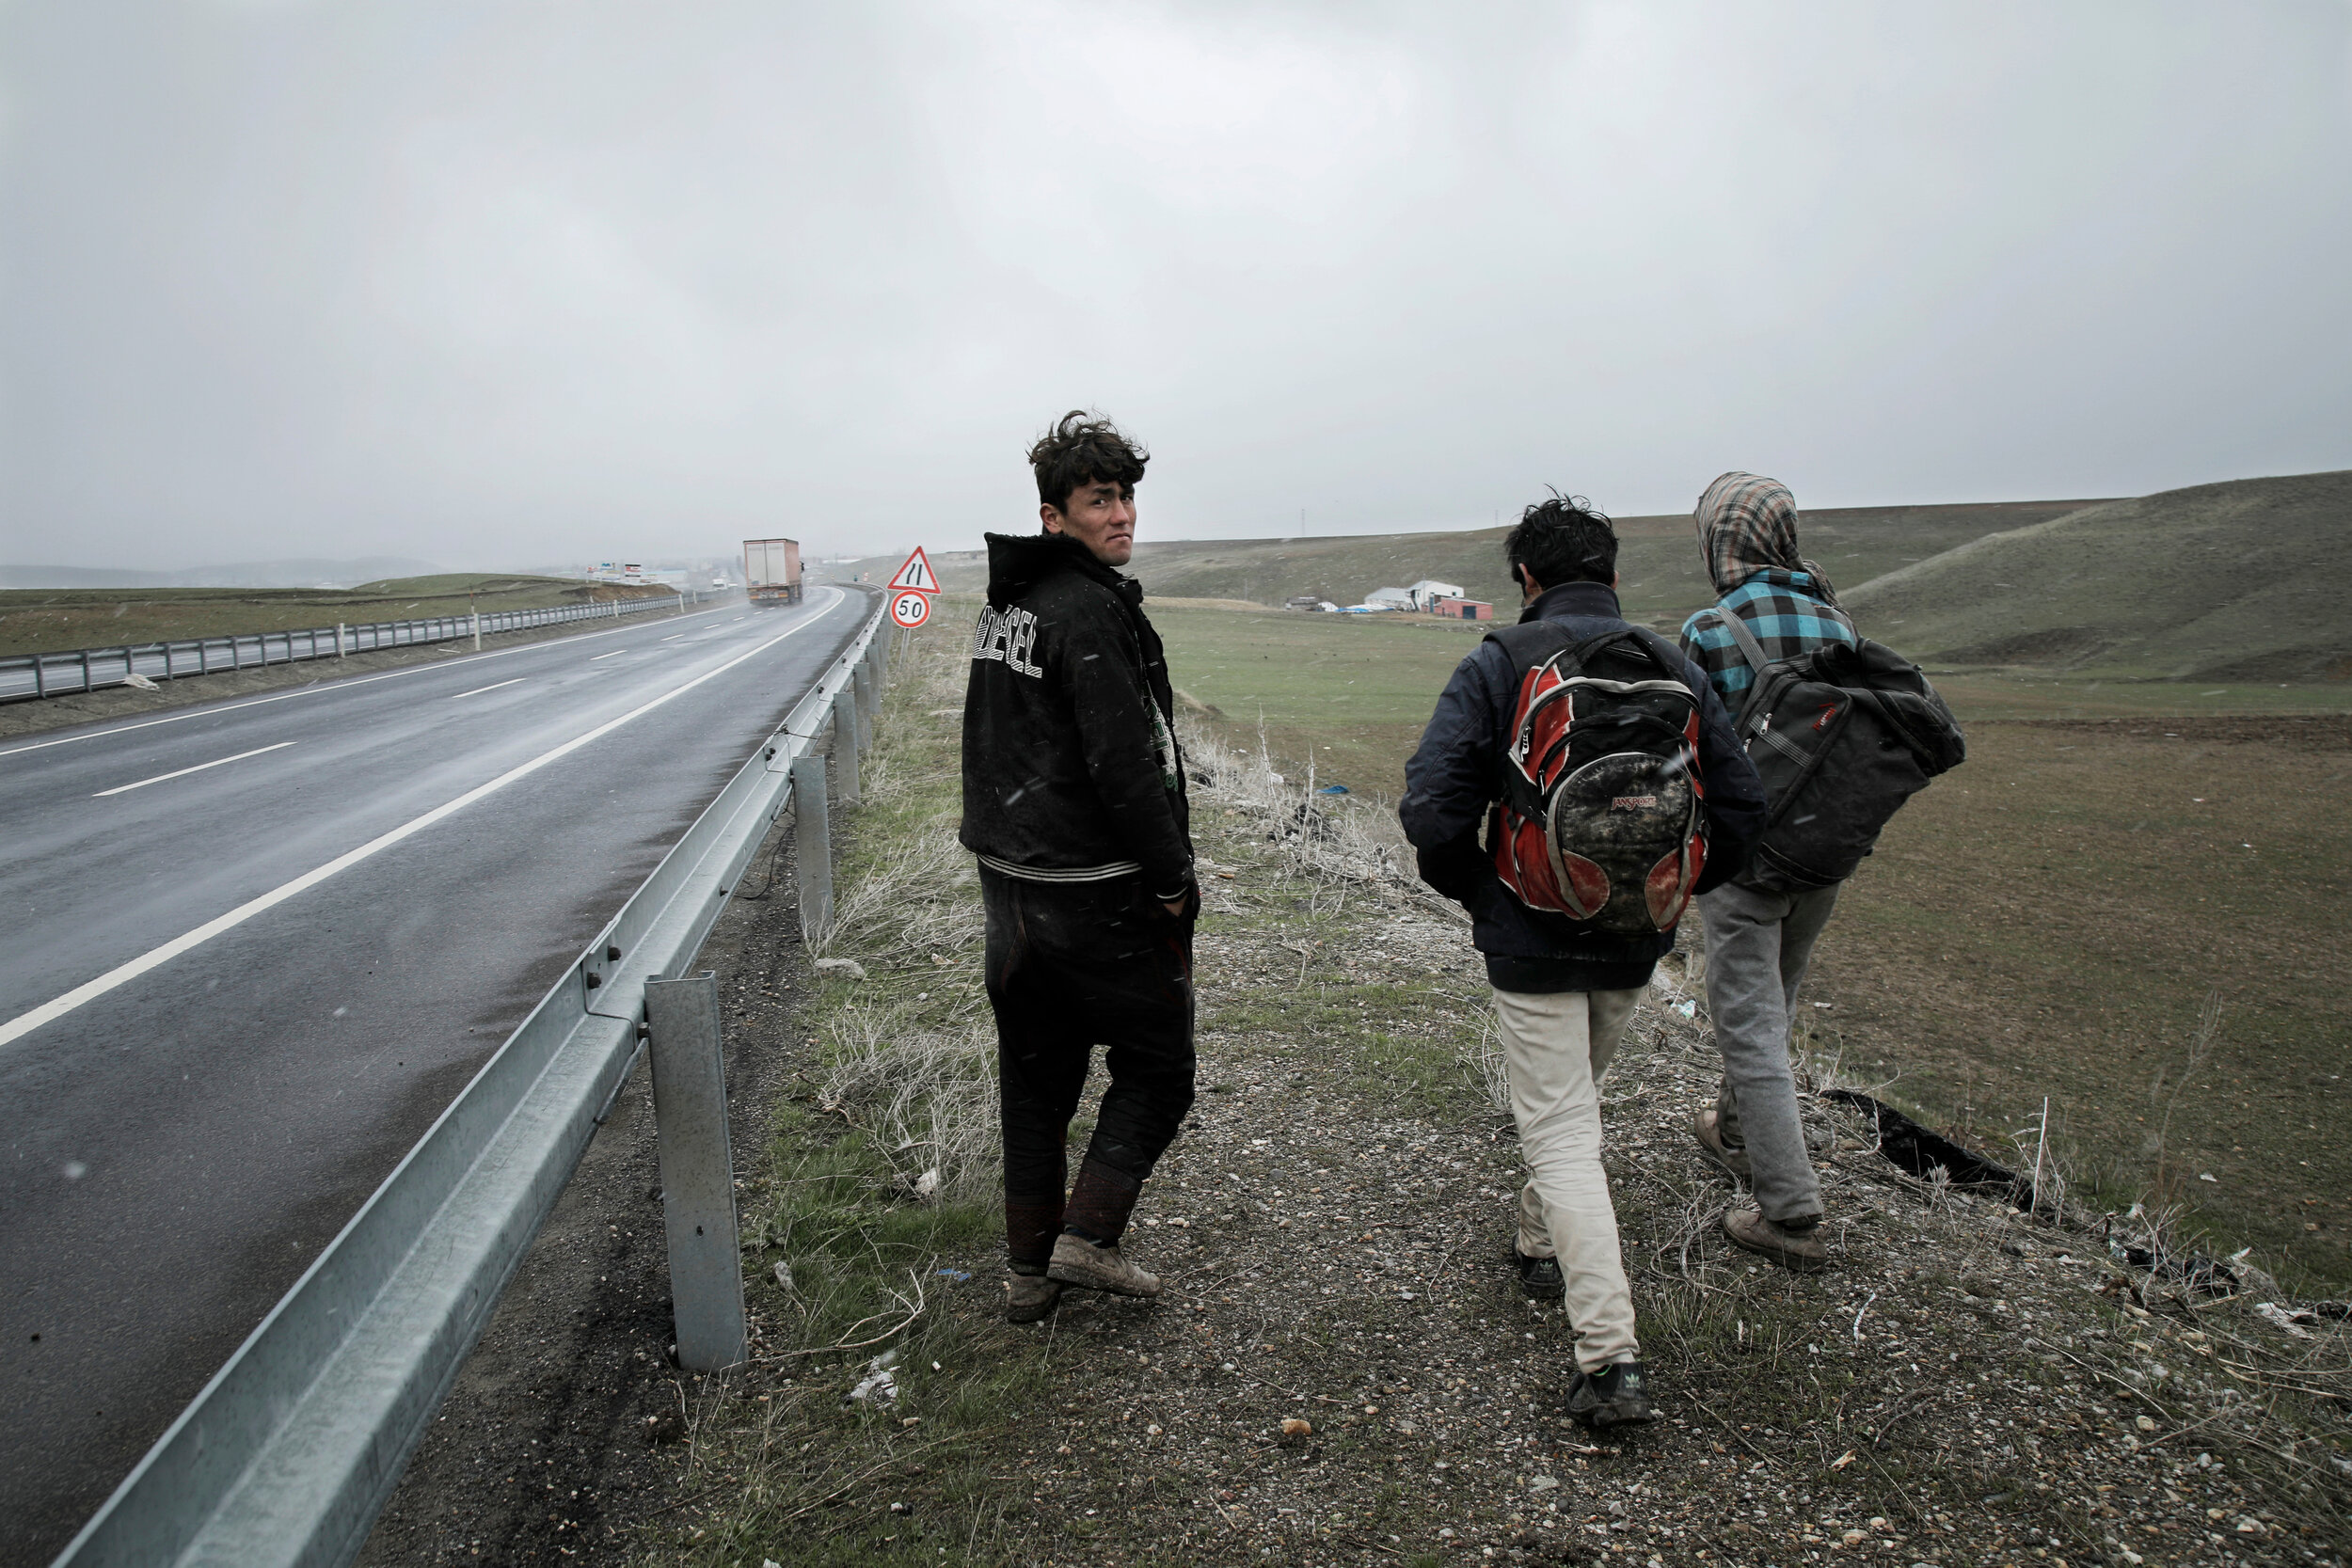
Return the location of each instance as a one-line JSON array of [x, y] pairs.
[[2240, 581], [1658, 558]]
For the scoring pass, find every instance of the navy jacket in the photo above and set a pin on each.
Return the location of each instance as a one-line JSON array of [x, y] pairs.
[[1454, 782]]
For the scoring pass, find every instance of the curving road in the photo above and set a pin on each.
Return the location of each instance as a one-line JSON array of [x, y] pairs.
[[255, 946]]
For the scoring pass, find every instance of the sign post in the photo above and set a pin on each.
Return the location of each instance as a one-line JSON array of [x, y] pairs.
[[911, 591]]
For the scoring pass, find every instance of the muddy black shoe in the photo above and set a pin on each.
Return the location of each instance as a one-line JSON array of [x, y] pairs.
[[1029, 1297], [1795, 1246], [1615, 1396], [1539, 1277], [1729, 1158], [1079, 1261]]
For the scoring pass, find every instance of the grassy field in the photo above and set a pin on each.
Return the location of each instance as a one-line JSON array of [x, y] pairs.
[[36, 619], [2050, 919]]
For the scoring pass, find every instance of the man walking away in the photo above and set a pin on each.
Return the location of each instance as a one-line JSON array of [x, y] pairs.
[[1761, 931], [1569, 698], [1073, 799]]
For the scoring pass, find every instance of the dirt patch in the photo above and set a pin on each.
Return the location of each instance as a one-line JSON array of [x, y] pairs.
[[2052, 919], [2315, 733]]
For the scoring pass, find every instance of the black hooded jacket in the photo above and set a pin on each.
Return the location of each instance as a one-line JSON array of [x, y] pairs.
[[1071, 771], [1454, 779]]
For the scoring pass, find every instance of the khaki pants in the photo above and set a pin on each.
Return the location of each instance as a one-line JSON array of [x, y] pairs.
[[1556, 1049]]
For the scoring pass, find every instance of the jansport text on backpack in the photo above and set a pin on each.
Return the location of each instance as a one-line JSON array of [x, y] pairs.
[[1600, 816], [1841, 735]]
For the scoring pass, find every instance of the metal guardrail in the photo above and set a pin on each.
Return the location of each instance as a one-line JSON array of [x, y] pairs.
[[25, 677], [287, 1453]]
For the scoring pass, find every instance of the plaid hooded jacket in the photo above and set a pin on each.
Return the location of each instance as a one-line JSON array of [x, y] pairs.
[[1748, 529]]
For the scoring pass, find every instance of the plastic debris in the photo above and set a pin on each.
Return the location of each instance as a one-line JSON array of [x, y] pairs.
[[2289, 1319], [783, 1276], [1332, 789], [879, 1385], [954, 1277]]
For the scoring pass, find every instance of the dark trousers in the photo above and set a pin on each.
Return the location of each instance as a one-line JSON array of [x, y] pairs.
[[1072, 966]]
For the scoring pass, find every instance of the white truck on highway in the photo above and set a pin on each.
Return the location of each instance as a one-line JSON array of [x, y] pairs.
[[772, 570]]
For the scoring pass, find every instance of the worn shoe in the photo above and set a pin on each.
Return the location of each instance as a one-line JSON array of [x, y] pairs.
[[1078, 1261], [1612, 1397], [1539, 1277], [1029, 1297], [1707, 1127], [1797, 1249]]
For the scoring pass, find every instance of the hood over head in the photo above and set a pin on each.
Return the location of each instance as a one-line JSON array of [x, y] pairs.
[[1015, 560], [1748, 524]]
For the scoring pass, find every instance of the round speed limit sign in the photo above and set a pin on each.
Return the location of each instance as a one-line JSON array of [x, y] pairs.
[[911, 610]]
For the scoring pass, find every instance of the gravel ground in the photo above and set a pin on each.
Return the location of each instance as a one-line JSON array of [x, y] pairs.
[[1343, 1370]]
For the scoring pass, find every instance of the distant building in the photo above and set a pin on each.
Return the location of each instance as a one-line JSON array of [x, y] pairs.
[[1303, 601], [1428, 588], [1392, 598], [1453, 606]]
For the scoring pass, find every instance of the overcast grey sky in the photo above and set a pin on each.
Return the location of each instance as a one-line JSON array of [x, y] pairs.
[[498, 284]]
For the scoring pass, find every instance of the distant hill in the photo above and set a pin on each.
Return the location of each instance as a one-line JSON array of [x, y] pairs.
[[303, 572], [60, 619], [2245, 580], [2242, 581], [1658, 557]]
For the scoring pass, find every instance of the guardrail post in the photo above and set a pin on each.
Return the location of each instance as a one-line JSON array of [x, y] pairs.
[[812, 846], [477, 631], [689, 1107], [862, 682], [844, 744], [339, 640]]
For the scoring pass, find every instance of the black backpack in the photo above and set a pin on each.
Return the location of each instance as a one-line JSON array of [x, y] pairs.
[[1599, 817], [1842, 735]]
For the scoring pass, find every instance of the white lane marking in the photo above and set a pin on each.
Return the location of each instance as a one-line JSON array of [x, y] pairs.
[[615, 654], [50, 1012], [123, 789], [480, 689], [324, 687], [673, 639]]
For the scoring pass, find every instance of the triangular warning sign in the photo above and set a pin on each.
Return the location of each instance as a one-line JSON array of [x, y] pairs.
[[915, 576]]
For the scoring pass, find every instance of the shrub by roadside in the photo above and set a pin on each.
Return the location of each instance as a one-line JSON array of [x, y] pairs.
[[1343, 1371]]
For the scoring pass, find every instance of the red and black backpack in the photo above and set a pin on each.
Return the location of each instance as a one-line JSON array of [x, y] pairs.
[[1600, 816]]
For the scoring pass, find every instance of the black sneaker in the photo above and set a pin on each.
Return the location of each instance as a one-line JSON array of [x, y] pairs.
[[1612, 1397], [1540, 1277]]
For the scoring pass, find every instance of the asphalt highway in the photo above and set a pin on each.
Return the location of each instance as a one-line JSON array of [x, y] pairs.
[[255, 947]]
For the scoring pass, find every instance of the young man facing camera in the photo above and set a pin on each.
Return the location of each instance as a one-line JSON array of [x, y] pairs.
[[1073, 799], [1573, 738]]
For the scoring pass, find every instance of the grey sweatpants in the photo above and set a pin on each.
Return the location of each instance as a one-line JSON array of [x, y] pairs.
[[1758, 946]]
